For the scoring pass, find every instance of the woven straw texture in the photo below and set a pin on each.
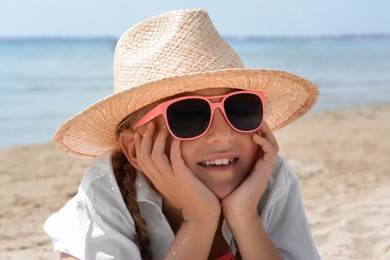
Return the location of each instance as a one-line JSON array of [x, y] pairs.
[[176, 52]]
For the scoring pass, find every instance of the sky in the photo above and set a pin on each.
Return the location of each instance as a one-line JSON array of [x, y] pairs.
[[241, 18]]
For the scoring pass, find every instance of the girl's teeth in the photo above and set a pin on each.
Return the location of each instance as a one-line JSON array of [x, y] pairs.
[[219, 162]]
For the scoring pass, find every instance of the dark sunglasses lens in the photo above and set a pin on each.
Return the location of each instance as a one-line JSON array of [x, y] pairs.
[[188, 118], [244, 111]]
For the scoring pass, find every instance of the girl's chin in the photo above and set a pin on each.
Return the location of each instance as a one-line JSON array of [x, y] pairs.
[[222, 193]]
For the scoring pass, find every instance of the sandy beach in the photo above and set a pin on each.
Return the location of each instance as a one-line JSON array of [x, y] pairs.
[[341, 158]]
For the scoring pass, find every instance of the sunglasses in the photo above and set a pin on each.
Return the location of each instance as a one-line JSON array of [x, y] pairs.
[[190, 117]]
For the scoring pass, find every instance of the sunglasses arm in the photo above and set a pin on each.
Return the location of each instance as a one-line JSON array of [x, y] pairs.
[[152, 114]]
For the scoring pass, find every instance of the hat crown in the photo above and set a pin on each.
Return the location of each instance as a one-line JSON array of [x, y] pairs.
[[172, 44]]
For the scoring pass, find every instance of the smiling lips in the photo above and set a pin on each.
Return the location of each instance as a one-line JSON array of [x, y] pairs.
[[218, 162]]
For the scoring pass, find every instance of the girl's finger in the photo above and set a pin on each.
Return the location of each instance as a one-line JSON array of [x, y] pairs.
[[267, 149], [144, 160], [158, 152], [177, 162], [266, 132], [147, 138]]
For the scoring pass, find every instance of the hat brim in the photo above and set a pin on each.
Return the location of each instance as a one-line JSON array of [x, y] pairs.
[[92, 132]]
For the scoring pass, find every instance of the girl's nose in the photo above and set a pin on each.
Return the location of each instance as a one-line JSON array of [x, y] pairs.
[[220, 130]]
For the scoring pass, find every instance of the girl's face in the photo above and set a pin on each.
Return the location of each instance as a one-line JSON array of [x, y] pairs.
[[222, 157]]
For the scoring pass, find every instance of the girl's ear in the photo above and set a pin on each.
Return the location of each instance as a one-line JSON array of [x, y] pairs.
[[127, 143]]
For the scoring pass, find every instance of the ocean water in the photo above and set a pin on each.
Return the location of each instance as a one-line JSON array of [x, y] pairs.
[[43, 82]]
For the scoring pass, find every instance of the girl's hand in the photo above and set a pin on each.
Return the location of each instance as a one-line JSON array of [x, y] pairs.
[[172, 178], [242, 202]]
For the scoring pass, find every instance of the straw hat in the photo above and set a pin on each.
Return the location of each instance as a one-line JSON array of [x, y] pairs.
[[175, 52]]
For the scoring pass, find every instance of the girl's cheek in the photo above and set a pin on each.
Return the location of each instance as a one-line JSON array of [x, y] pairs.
[[187, 151]]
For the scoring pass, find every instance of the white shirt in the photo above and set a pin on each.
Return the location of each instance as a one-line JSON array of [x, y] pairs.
[[95, 223]]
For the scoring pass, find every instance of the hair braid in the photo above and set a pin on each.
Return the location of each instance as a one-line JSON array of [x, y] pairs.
[[125, 175]]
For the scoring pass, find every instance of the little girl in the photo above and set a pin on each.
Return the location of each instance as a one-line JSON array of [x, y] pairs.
[[188, 165]]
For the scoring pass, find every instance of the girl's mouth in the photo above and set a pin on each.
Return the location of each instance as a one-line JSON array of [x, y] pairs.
[[218, 162]]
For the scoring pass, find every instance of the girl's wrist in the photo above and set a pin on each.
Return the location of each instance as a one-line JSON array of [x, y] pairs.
[[210, 216], [194, 238], [241, 219], [234, 210]]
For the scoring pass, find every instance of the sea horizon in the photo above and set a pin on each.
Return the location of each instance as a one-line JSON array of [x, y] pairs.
[[45, 81], [368, 36]]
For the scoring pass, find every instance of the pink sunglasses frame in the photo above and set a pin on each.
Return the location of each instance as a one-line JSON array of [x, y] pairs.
[[161, 109]]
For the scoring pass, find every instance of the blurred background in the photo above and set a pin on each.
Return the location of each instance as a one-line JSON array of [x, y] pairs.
[[56, 59], [56, 56]]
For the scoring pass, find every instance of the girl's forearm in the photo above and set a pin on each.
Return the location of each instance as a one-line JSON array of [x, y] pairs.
[[251, 238], [193, 240]]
